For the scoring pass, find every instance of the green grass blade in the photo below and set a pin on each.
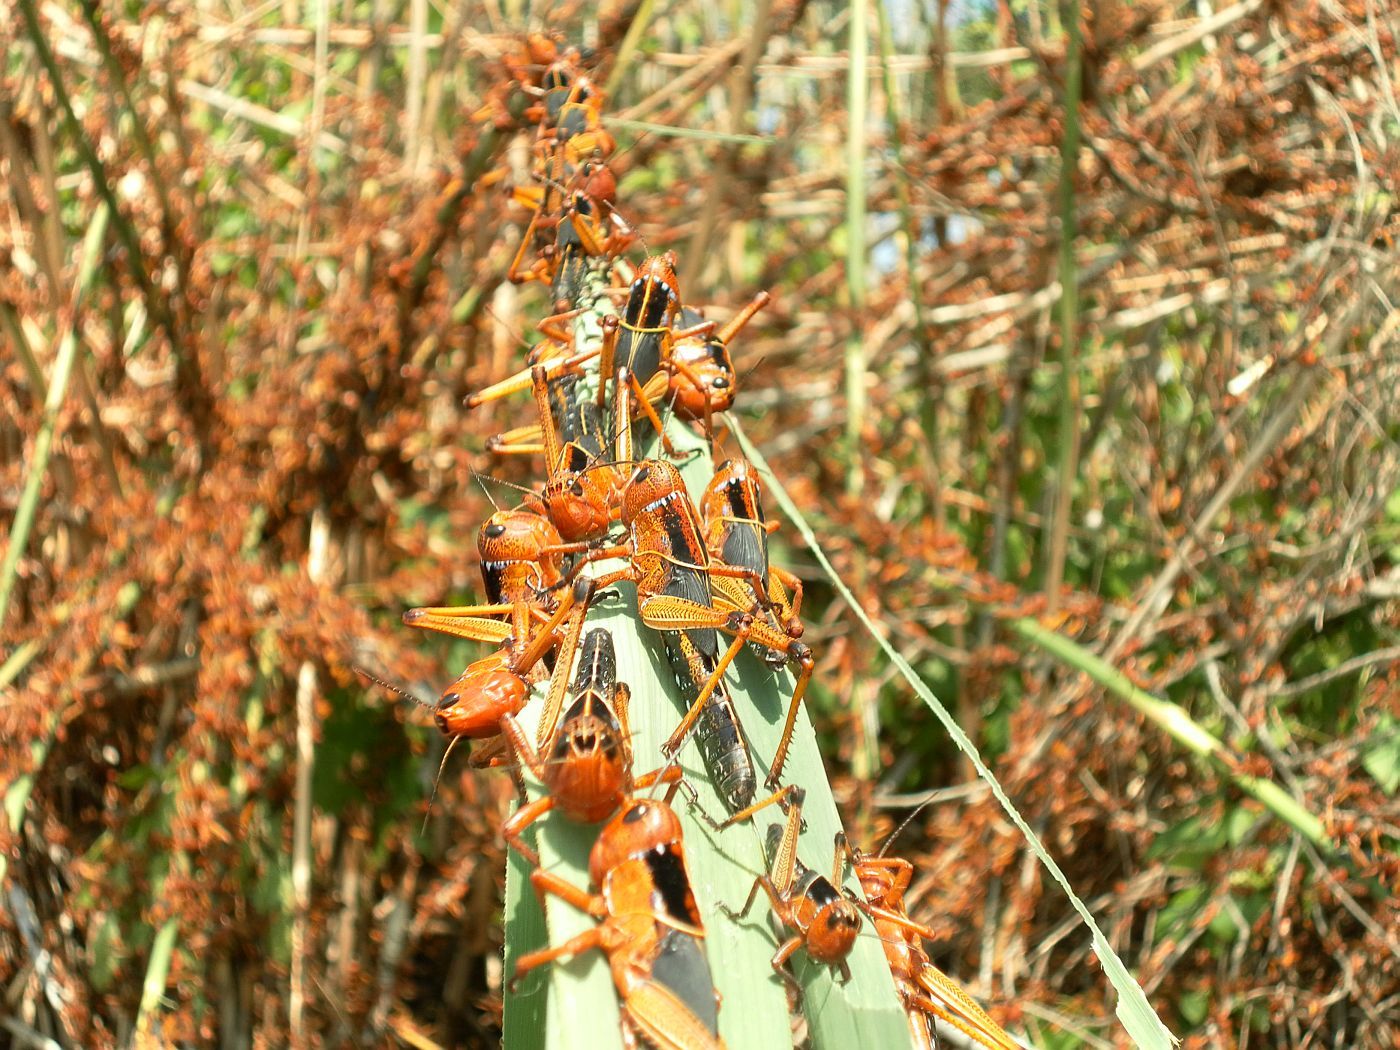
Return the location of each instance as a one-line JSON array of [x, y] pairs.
[[18, 660], [1133, 1009], [1180, 727], [628, 48], [525, 1022], [153, 988], [16, 798], [699, 134], [53, 402]]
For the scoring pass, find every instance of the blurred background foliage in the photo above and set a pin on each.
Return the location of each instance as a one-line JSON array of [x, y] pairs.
[[253, 259]]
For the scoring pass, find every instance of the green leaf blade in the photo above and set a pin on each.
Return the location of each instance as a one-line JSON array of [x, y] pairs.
[[581, 1006]]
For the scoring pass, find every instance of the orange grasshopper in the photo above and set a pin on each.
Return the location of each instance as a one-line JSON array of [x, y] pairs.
[[493, 690], [673, 571], [927, 992], [580, 236], [521, 554], [586, 759], [566, 418], [582, 489], [820, 916], [636, 346], [571, 126], [650, 929], [736, 533], [702, 382], [594, 179]]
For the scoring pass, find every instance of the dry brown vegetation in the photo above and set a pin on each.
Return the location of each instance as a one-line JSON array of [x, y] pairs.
[[260, 459]]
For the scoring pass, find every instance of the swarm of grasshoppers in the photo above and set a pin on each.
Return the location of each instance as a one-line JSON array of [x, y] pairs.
[[614, 556]]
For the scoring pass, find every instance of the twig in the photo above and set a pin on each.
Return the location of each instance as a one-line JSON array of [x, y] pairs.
[[242, 109], [24, 1035], [417, 75], [301, 835], [924, 798], [148, 676], [835, 65], [698, 77], [699, 134], [1202, 29], [15, 331], [45, 247], [1346, 667]]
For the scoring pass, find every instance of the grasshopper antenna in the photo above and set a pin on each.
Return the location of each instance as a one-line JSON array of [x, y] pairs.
[[618, 214], [398, 690], [515, 333], [431, 707], [436, 781], [646, 248], [674, 760], [904, 824], [721, 436], [481, 480]]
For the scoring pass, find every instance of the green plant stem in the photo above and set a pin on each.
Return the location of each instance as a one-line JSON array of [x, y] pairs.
[[18, 660], [53, 403], [856, 190], [15, 332], [16, 798], [155, 302], [1069, 327], [1180, 727], [138, 126], [629, 44], [157, 971], [930, 392], [1133, 1009]]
